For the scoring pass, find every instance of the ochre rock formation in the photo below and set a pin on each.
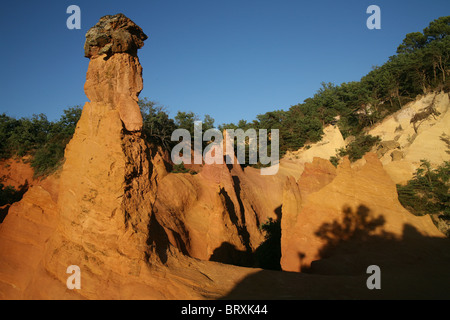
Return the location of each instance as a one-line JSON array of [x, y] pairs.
[[212, 216], [205, 218], [23, 236], [139, 232], [19, 174], [104, 216], [331, 141], [421, 140], [349, 203], [121, 217], [114, 77]]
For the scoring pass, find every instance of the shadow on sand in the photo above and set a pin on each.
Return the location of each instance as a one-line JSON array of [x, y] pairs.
[[412, 266], [266, 256]]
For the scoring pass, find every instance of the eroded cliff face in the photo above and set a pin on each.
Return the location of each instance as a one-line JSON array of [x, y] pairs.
[[351, 204], [414, 133], [214, 214]]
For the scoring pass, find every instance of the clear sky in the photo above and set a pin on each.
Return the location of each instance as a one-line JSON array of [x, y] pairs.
[[232, 59]]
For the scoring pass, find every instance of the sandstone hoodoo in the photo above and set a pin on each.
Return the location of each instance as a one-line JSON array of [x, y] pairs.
[[114, 75], [104, 220], [106, 192], [136, 229]]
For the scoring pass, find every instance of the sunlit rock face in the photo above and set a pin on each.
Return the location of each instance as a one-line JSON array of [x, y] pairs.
[[328, 206], [114, 76]]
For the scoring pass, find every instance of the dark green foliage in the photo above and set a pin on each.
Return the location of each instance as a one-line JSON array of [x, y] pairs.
[[180, 168], [207, 123], [7, 127], [358, 148], [186, 120], [39, 138], [157, 126], [446, 139], [437, 29], [334, 161], [48, 158], [242, 124], [302, 125], [428, 192], [412, 42], [21, 137], [68, 122], [268, 121], [268, 254]]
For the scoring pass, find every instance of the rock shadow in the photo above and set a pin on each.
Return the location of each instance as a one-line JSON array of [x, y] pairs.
[[157, 240], [266, 256], [345, 238], [227, 253], [413, 266], [268, 253]]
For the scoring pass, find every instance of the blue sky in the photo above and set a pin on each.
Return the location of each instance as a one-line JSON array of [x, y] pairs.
[[231, 59]]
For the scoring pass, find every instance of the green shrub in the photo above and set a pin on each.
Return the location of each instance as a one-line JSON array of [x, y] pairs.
[[43, 140], [356, 149], [180, 168], [428, 192], [334, 160], [48, 158]]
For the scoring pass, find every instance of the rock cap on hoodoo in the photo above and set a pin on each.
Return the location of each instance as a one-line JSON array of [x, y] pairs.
[[114, 34]]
